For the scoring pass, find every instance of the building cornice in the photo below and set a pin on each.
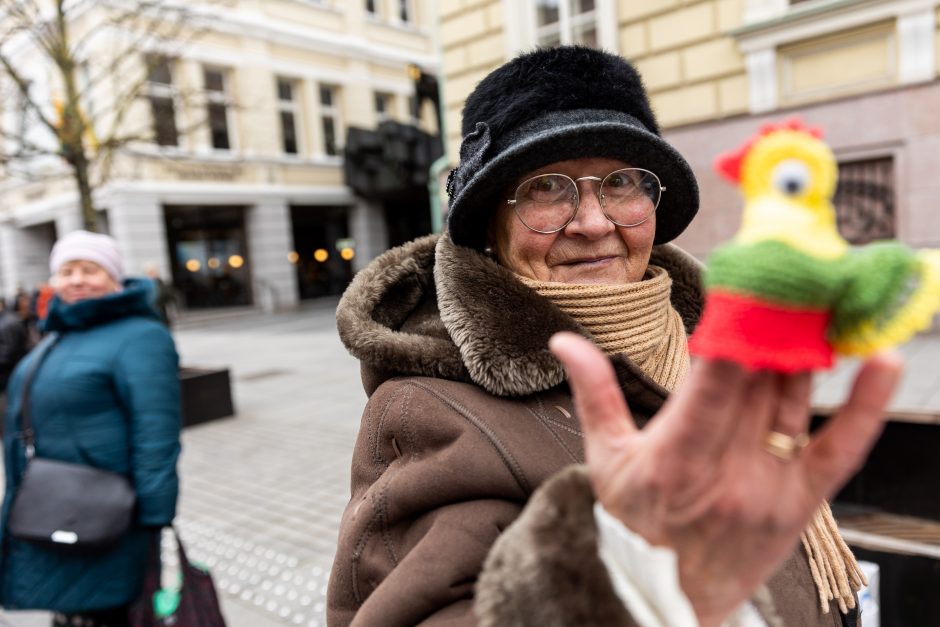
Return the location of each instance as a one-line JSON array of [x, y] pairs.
[[822, 17], [192, 192], [180, 193], [258, 25]]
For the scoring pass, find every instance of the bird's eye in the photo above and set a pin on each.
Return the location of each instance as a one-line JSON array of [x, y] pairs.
[[791, 177]]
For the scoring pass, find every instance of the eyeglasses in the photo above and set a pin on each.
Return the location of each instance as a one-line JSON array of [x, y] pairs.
[[547, 203]]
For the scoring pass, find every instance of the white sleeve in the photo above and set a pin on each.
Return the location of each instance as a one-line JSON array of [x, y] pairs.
[[646, 578]]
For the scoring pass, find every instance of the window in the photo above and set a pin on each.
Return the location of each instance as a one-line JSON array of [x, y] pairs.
[[161, 94], [566, 22], [329, 115], [864, 200], [383, 105], [372, 7], [217, 108], [413, 109], [287, 107], [403, 13]]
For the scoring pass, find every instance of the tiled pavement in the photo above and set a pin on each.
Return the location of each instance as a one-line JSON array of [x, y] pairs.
[[262, 493]]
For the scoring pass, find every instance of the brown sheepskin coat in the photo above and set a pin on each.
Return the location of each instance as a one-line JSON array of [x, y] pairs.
[[468, 415]]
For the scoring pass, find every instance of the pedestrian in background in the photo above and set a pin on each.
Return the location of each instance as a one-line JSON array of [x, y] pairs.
[[12, 349], [469, 502], [23, 307], [106, 395], [163, 295]]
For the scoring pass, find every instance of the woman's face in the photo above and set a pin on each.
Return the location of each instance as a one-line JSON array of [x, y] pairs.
[[82, 280], [591, 249]]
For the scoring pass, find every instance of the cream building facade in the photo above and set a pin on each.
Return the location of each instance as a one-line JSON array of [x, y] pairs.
[[866, 71], [250, 207]]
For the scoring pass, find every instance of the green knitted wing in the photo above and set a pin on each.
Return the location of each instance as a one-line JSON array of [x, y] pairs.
[[891, 293]]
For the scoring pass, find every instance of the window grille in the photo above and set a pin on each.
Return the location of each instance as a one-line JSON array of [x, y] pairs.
[[865, 200]]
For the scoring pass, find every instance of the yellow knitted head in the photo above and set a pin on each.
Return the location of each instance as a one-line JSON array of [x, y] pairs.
[[793, 165], [787, 176]]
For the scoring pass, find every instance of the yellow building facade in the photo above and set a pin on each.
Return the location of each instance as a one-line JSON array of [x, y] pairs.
[[247, 121], [864, 70]]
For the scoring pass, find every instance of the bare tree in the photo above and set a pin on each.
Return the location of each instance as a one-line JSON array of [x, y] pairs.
[[106, 48]]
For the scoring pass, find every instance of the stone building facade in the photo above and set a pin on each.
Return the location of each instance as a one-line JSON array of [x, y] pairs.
[[866, 71], [250, 207]]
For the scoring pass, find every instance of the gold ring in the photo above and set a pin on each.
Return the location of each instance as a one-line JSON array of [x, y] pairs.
[[784, 446]]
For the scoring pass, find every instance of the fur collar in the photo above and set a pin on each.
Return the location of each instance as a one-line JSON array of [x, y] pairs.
[[433, 308]]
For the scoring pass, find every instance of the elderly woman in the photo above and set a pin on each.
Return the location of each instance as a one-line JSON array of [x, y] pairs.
[[469, 504], [105, 394]]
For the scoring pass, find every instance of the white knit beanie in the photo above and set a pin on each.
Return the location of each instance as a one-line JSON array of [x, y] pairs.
[[87, 246]]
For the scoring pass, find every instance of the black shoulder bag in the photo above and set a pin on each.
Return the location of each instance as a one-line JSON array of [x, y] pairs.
[[63, 504]]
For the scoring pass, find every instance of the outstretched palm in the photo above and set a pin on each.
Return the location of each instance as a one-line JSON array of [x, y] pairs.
[[699, 478]]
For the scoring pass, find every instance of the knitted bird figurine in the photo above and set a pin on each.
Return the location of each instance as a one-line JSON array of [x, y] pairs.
[[787, 292]]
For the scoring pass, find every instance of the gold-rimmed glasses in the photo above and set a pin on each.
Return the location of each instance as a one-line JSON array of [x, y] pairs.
[[547, 203]]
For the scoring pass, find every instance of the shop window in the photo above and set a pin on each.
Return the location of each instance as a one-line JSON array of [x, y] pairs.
[[161, 93], [323, 251], [209, 256], [289, 113], [865, 200]]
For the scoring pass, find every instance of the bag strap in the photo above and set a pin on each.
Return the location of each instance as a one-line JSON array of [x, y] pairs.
[[183, 559], [26, 433]]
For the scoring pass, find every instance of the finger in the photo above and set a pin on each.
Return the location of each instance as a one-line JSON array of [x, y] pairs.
[[793, 409], [702, 413], [597, 395], [842, 444], [757, 411]]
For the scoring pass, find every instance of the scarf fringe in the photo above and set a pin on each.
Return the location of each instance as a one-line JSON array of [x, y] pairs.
[[836, 573]]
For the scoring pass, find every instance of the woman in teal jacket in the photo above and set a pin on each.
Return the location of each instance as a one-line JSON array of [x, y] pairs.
[[106, 394]]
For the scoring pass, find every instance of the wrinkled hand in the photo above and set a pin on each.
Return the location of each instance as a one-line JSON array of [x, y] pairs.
[[698, 478]]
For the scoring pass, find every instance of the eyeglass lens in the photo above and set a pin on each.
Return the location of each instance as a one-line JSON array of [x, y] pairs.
[[548, 202]]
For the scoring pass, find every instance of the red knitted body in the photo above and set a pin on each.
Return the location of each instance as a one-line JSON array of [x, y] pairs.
[[758, 334]]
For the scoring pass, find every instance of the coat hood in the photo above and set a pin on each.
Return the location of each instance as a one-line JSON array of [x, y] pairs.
[[433, 308]]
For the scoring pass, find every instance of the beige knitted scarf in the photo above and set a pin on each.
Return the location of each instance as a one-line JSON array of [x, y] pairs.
[[632, 318], [638, 319]]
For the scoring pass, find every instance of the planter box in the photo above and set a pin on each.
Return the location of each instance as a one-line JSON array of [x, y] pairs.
[[206, 395]]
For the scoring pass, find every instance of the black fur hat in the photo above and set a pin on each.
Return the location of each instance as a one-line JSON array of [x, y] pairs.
[[556, 104]]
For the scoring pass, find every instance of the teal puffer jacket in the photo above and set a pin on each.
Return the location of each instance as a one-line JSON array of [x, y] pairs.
[[107, 394]]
